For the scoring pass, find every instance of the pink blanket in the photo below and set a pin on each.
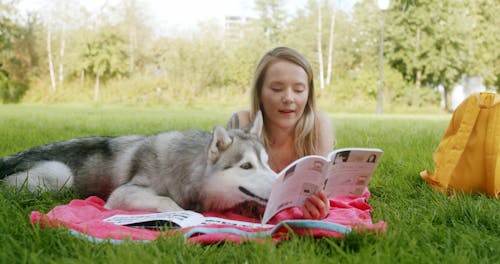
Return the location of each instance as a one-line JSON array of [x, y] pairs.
[[85, 218]]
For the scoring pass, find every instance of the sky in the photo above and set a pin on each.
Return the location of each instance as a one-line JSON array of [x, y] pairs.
[[186, 14]]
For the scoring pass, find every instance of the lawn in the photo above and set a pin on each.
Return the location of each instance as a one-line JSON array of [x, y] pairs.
[[423, 226]]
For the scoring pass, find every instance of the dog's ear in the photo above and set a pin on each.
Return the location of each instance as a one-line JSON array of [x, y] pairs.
[[220, 141], [257, 125]]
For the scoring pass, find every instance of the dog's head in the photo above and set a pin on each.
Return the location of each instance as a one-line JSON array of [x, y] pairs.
[[237, 169]]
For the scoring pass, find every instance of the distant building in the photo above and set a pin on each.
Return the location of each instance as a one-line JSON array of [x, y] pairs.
[[234, 26]]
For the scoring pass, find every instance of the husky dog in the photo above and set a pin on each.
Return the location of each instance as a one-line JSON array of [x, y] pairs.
[[191, 170]]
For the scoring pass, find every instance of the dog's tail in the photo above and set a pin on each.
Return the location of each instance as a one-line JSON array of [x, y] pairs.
[[24, 160], [12, 164], [71, 152], [4, 168]]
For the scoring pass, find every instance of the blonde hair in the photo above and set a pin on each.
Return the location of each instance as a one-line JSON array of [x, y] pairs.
[[307, 129]]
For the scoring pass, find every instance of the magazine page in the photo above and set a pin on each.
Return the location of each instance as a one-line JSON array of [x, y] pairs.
[[211, 220], [350, 171], [177, 219], [358, 154], [295, 183]]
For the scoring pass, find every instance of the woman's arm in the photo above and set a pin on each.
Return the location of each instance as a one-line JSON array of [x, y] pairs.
[[317, 205]]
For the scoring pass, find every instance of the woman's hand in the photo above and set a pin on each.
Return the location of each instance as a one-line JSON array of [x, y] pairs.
[[316, 206]]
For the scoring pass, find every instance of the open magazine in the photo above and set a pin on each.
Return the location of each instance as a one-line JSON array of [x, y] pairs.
[[177, 219], [345, 172]]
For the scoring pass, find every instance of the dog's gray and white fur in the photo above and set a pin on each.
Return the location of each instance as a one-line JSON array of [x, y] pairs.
[[192, 170]]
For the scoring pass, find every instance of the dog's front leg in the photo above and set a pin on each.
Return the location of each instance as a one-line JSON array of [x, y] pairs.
[[139, 198]]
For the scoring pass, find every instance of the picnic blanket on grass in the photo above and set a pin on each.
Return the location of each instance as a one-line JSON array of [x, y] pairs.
[[85, 218]]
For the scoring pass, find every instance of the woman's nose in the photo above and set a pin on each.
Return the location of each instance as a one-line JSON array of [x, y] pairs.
[[288, 96]]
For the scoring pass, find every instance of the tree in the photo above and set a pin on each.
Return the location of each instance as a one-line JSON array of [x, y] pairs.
[[301, 32], [17, 55], [320, 50], [104, 56], [272, 19], [330, 9], [484, 42], [241, 58], [50, 56], [305, 33], [195, 63], [59, 17], [133, 24], [429, 43], [439, 42], [330, 48]]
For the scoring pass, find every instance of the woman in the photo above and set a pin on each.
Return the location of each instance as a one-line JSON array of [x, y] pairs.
[[283, 90]]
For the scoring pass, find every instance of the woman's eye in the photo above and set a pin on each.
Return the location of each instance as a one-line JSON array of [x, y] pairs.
[[299, 89], [246, 166]]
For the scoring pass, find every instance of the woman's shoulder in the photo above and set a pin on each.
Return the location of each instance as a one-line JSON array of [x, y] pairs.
[[239, 119], [323, 116], [326, 132], [324, 121]]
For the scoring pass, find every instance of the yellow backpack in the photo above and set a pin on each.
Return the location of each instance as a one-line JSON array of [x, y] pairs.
[[468, 157]]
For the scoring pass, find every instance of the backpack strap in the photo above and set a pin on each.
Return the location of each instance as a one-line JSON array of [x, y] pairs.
[[491, 101]]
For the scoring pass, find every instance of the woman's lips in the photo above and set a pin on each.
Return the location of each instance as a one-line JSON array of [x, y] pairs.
[[286, 112]]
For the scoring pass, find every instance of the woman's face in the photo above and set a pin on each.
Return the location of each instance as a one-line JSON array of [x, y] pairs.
[[284, 93]]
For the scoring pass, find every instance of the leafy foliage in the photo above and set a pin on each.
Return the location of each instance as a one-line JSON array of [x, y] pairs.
[[104, 55], [428, 43], [17, 56], [437, 42]]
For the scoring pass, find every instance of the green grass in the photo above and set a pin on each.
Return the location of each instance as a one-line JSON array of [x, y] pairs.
[[423, 226]]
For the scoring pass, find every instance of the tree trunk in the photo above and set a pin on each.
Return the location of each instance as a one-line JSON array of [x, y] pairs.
[[96, 88], [132, 47], [82, 79], [445, 95], [418, 79], [320, 52], [61, 56], [380, 92], [49, 54], [330, 50]]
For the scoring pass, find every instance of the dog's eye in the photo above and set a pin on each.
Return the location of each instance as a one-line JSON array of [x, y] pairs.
[[246, 166]]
